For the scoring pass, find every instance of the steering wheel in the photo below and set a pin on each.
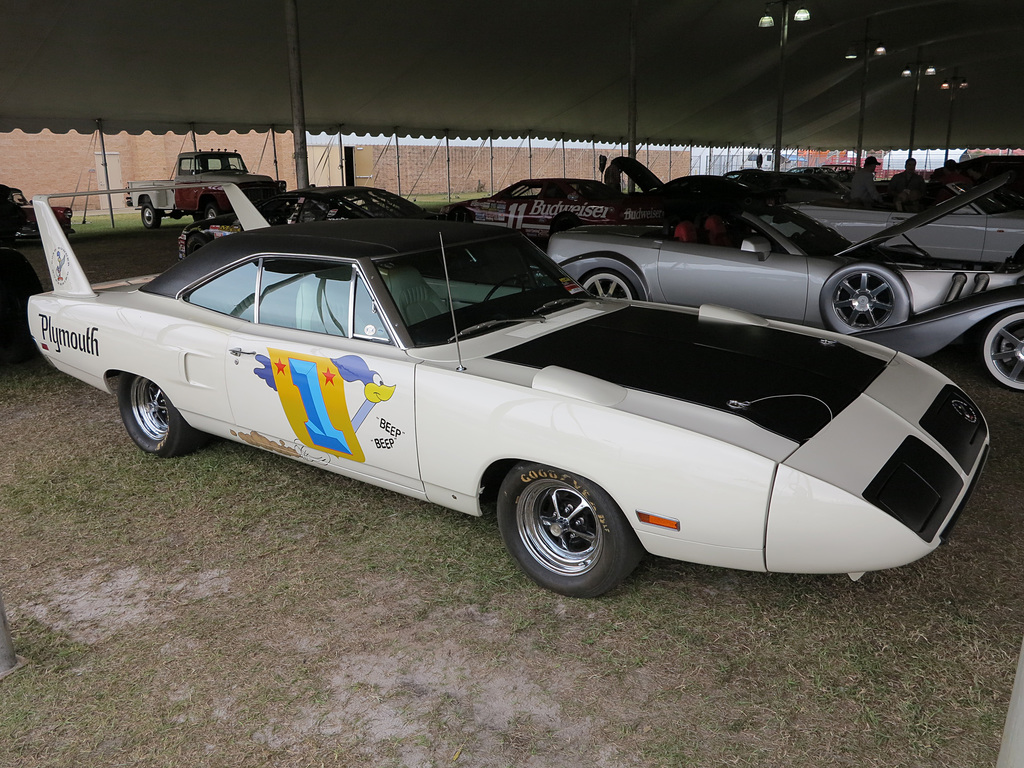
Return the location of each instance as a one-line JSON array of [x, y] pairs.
[[519, 279]]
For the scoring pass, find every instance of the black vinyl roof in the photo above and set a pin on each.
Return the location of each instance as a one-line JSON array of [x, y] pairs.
[[350, 239]]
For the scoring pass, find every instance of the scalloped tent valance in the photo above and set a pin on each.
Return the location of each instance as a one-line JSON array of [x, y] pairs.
[[706, 74]]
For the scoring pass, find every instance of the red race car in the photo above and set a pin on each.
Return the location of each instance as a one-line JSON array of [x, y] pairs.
[[541, 207]]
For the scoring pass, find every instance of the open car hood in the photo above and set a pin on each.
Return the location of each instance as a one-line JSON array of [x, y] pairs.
[[638, 173], [931, 214]]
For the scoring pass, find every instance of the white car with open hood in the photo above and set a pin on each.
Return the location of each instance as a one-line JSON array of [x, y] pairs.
[[457, 364]]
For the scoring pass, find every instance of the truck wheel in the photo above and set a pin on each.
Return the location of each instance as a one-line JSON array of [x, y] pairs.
[[151, 217], [210, 210]]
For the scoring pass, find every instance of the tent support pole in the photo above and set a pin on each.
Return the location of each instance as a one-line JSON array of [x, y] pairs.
[[448, 164], [398, 163], [273, 147], [490, 140], [106, 171], [341, 157], [631, 128], [291, 17]]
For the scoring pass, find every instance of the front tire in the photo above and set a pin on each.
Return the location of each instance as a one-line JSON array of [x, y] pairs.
[[858, 297], [565, 532], [1002, 349], [609, 284], [152, 421]]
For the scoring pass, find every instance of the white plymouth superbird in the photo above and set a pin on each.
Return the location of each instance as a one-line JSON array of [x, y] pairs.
[[456, 363]]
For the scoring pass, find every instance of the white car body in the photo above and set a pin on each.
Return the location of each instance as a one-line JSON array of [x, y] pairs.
[[765, 454]]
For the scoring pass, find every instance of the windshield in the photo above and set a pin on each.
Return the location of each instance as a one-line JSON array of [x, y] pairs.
[[809, 235], [491, 282], [1001, 201], [379, 204]]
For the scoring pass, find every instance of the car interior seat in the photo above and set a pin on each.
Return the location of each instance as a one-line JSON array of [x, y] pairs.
[[717, 233], [416, 300], [685, 232]]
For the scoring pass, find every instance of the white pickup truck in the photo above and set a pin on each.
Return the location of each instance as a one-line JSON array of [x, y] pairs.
[[202, 202]]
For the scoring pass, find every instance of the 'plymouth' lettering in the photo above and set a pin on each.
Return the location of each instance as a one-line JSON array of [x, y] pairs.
[[82, 341]]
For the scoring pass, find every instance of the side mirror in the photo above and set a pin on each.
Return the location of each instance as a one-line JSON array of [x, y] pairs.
[[757, 244]]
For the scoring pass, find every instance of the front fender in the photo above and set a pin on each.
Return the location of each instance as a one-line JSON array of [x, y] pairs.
[[927, 333], [578, 266]]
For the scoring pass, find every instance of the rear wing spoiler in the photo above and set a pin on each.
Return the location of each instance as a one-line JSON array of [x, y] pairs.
[[66, 272]]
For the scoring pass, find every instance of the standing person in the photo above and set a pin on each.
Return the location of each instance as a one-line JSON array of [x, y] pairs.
[[907, 187], [863, 192]]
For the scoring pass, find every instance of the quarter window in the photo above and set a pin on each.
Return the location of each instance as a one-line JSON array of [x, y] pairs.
[[305, 294]]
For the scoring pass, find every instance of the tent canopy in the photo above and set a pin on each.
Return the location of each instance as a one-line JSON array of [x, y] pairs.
[[706, 73]]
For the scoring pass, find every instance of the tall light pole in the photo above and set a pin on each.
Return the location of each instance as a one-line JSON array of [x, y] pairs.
[[952, 85], [801, 14], [915, 72], [869, 48]]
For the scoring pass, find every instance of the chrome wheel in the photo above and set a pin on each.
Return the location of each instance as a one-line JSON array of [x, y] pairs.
[[149, 408], [1003, 350], [559, 527], [863, 300], [608, 285]]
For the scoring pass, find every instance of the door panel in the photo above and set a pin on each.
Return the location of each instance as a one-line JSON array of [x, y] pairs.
[[694, 274], [340, 405]]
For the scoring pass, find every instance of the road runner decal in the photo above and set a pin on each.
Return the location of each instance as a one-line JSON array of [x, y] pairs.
[[312, 393], [84, 341]]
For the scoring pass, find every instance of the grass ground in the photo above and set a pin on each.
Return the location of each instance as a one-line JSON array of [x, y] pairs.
[[235, 608]]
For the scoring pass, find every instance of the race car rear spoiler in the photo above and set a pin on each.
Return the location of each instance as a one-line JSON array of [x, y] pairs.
[[66, 272]]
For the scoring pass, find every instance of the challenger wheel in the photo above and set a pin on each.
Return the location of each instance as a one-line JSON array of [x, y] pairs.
[[565, 532], [607, 283], [151, 217], [152, 421], [862, 296], [1002, 349]]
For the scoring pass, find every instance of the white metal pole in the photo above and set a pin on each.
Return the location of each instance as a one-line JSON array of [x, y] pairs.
[[1011, 753]]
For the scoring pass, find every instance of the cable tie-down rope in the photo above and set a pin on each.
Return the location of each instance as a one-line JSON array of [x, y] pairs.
[[740, 405]]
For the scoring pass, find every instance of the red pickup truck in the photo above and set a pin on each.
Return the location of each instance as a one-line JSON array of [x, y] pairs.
[[191, 198]]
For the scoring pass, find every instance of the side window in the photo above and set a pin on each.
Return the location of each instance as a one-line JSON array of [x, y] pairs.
[[233, 293], [310, 296]]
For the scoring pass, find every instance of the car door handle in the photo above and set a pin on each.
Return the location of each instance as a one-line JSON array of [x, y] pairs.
[[238, 352]]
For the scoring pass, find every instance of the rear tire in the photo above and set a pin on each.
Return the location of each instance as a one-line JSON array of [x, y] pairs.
[[211, 210], [565, 532], [151, 217], [194, 242], [563, 222], [152, 421]]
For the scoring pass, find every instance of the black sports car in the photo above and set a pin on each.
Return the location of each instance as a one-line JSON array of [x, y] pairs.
[[310, 204]]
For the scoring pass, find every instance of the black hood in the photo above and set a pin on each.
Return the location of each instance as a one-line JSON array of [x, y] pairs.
[[791, 384]]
